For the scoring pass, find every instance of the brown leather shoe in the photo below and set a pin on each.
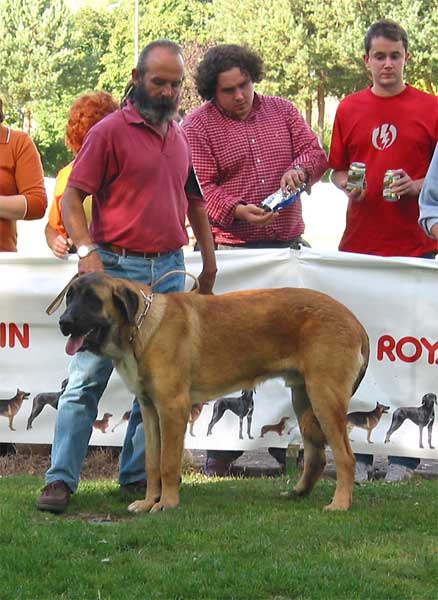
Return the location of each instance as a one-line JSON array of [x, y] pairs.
[[135, 487], [55, 497]]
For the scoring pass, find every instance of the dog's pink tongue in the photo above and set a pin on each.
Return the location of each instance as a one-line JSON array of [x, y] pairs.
[[74, 344]]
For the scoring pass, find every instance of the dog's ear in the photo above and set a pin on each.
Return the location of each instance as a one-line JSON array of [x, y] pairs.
[[127, 303]]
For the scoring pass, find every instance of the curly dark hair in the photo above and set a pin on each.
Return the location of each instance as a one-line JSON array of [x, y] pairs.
[[222, 58], [2, 115], [85, 112]]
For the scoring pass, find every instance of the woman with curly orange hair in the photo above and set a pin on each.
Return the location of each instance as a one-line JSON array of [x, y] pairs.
[[85, 112]]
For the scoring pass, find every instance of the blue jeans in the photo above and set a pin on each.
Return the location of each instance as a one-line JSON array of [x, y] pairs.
[[88, 378]]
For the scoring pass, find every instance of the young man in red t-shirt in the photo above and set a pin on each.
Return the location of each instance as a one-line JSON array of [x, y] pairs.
[[388, 126]]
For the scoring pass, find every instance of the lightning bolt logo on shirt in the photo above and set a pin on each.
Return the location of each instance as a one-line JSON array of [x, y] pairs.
[[384, 136]]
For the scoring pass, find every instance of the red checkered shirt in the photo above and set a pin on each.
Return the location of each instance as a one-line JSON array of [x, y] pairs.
[[244, 161]]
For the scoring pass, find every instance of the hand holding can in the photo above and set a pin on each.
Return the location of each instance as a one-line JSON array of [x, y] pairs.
[[391, 176], [356, 181]]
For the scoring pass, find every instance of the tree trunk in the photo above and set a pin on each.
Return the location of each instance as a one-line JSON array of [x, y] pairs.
[[309, 112], [321, 112], [27, 120]]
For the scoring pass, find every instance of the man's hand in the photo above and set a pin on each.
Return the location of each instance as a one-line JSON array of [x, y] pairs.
[[206, 282], [293, 179], [90, 264], [406, 186], [61, 245], [254, 214], [434, 231], [340, 179]]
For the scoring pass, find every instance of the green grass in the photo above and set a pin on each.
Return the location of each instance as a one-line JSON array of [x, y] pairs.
[[231, 539]]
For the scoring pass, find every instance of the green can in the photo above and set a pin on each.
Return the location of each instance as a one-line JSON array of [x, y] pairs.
[[356, 177], [390, 177]]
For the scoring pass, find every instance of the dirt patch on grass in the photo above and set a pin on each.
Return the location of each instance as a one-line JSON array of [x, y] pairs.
[[94, 518], [100, 463]]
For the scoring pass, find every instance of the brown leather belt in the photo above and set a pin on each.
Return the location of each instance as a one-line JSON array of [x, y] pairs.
[[125, 252]]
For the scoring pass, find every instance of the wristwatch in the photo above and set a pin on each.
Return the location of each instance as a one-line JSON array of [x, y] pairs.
[[86, 250], [304, 170]]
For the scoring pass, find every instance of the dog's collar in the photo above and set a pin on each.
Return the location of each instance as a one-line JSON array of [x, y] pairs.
[[147, 304]]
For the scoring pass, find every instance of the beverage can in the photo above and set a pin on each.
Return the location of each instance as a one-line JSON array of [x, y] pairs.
[[356, 177], [390, 177]]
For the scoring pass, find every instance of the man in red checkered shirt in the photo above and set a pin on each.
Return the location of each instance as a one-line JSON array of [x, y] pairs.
[[246, 146]]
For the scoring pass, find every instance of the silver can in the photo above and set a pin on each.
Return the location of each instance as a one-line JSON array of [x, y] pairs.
[[356, 177], [390, 177]]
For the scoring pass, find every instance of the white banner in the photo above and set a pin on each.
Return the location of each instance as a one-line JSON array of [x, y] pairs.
[[394, 299]]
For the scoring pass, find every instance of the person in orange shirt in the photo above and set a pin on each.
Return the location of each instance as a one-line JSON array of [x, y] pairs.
[[22, 191], [86, 111]]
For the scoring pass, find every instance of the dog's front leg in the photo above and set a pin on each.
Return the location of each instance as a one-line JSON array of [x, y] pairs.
[[153, 451], [420, 427], [173, 424]]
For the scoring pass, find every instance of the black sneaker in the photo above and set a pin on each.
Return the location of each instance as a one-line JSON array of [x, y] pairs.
[[55, 497], [215, 467]]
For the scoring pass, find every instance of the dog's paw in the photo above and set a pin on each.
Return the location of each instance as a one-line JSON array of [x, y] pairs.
[[293, 494], [162, 505], [337, 506], [140, 506]]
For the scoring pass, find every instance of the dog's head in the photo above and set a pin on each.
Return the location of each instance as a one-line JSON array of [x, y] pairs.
[[22, 395], [99, 315], [382, 407], [429, 400]]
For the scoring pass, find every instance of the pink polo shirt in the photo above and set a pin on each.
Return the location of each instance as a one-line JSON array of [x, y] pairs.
[[137, 180]]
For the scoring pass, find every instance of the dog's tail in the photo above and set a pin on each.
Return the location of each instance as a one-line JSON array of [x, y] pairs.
[[365, 354]]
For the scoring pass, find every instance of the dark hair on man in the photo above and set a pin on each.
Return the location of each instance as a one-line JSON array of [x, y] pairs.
[[222, 58], [387, 29], [142, 63], [2, 116]]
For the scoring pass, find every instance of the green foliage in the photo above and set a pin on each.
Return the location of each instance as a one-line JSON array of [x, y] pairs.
[[182, 21], [231, 539], [34, 51], [314, 49], [47, 57]]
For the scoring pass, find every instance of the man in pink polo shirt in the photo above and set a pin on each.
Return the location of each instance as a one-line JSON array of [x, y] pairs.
[[245, 147], [136, 163]]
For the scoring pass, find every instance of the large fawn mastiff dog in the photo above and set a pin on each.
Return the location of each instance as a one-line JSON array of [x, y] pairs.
[[175, 350]]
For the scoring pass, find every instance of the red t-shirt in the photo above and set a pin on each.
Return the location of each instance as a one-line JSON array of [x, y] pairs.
[[396, 132], [137, 180]]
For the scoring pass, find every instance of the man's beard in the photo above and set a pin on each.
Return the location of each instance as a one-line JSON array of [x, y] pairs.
[[155, 110]]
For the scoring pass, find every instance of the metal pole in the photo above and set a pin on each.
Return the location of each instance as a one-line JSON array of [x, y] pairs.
[[136, 22]]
